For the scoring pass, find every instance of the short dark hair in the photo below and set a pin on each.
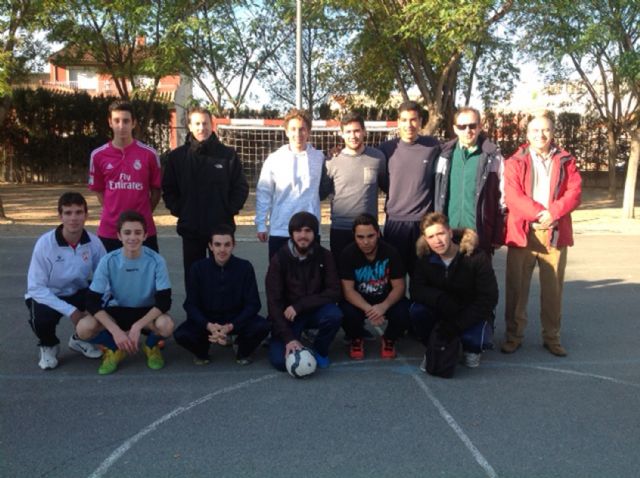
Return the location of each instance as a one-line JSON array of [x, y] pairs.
[[122, 105], [200, 110], [410, 106], [295, 113], [303, 219], [131, 216], [351, 117], [222, 230], [433, 218], [72, 198], [365, 219]]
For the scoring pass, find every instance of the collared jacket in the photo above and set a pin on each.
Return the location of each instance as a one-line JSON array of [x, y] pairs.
[[489, 204], [466, 292], [203, 185], [304, 284], [59, 270], [565, 194]]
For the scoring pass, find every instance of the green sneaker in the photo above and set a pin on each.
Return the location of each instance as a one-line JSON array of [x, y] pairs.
[[154, 357], [110, 361]]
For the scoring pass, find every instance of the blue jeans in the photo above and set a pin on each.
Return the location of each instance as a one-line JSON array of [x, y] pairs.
[[475, 339], [326, 319]]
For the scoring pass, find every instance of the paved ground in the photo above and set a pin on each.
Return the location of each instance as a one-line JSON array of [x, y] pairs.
[[525, 415]]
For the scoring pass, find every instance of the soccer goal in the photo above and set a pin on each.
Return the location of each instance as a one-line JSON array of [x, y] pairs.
[[254, 140]]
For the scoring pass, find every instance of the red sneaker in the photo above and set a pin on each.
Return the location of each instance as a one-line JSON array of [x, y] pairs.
[[388, 350], [356, 349]]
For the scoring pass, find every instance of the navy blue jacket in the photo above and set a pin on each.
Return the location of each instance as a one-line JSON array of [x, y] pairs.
[[222, 294]]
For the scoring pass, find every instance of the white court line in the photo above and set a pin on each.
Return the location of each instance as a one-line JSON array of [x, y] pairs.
[[582, 374], [126, 446], [480, 459]]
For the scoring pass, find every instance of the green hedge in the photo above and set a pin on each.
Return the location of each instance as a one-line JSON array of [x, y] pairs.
[[48, 136]]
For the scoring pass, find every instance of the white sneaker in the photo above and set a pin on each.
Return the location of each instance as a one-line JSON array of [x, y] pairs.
[[85, 348], [48, 357], [471, 360], [423, 364]]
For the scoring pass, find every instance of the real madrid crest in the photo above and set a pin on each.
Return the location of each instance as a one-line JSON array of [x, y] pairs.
[[137, 165]]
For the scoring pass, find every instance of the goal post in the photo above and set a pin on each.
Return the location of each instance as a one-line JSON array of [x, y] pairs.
[[255, 139]]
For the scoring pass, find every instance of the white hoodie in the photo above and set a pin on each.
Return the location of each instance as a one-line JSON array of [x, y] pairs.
[[289, 183]]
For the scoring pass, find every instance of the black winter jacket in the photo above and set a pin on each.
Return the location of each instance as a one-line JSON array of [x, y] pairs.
[[305, 285], [203, 185], [465, 293]]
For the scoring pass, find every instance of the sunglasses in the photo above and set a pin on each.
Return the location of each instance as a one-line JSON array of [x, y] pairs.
[[463, 127]]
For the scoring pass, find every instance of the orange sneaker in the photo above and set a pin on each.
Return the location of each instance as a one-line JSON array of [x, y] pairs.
[[356, 349], [388, 350]]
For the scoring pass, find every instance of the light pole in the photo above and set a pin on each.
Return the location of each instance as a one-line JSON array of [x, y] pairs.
[[299, 54]]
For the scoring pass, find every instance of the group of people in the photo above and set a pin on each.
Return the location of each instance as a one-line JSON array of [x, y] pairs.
[[448, 206]]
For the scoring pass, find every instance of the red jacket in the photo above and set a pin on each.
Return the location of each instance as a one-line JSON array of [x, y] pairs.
[[565, 191]]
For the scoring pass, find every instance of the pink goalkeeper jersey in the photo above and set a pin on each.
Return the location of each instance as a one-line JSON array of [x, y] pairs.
[[126, 178]]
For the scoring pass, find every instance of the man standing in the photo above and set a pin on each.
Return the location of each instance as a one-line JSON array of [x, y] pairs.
[[125, 174], [453, 285], [203, 186], [542, 188], [302, 289], [222, 299], [355, 174], [62, 262], [468, 177], [289, 182], [373, 286], [411, 161], [135, 281]]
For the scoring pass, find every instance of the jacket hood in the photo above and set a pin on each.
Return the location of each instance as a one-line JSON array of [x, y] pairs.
[[467, 239]]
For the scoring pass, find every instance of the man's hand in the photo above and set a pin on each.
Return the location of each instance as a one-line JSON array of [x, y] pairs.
[[123, 342], [134, 335], [262, 236], [376, 314], [290, 313], [291, 347], [545, 219], [218, 333]]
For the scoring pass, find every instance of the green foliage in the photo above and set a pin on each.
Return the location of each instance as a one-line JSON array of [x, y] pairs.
[[227, 44], [325, 59], [598, 40], [19, 48], [51, 135], [128, 39], [421, 43]]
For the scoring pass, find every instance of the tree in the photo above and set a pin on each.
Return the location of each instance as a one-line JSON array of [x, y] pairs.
[[599, 40], [228, 44], [134, 42], [405, 43], [325, 35], [18, 48]]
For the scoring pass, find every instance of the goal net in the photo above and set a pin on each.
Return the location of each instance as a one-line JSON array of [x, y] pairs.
[[254, 140]]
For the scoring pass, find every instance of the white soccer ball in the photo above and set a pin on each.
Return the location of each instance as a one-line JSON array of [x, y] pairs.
[[301, 363]]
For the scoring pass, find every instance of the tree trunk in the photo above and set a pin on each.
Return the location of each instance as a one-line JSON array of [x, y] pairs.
[[612, 153], [2, 214], [435, 115], [632, 173]]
